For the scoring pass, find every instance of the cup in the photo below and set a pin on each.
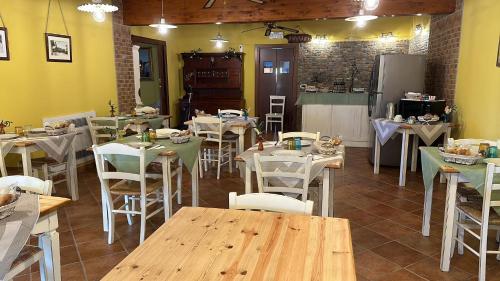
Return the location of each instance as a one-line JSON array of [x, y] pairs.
[[398, 118]]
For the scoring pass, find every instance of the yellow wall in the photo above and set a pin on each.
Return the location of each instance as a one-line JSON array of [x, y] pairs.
[[32, 88], [189, 37], [478, 80]]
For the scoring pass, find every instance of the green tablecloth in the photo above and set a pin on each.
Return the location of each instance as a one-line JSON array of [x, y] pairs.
[[475, 174], [331, 98], [188, 152], [154, 123]]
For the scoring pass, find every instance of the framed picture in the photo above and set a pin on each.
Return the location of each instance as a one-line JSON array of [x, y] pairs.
[[4, 44], [498, 53], [145, 63], [58, 47]]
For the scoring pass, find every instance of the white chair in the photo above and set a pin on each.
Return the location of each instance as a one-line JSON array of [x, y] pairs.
[[133, 186], [276, 111], [102, 128], [231, 137], [29, 254], [477, 214], [270, 202], [211, 129], [303, 135], [268, 174]]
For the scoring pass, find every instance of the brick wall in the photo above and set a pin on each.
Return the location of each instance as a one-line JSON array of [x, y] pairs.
[[333, 60], [444, 41], [123, 61], [419, 44]]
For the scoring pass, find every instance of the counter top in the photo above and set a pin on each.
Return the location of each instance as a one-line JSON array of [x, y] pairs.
[[333, 98]]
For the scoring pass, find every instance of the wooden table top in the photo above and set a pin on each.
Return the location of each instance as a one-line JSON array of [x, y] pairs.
[[49, 204], [222, 244]]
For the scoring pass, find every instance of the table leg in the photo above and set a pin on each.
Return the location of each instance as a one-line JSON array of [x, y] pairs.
[[49, 243], [248, 179], [376, 158], [404, 158], [167, 188], [26, 156], [414, 153], [331, 198], [104, 204], [325, 197], [74, 174], [3, 168], [194, 183], [254, 137], [426, 219], [446, 245]]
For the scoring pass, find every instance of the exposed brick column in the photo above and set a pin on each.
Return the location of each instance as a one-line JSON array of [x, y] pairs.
[[444, 42], [123, 61]]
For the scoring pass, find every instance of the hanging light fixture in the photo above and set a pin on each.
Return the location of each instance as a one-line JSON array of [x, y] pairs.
[[361, 19], [98, 9], [163, 26], [219, 40], [371, 5]]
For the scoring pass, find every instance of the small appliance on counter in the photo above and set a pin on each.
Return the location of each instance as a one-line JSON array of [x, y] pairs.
[[411, 107]]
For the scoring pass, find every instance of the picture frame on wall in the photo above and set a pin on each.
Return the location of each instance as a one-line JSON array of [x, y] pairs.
[[4, 44], [58, 48]]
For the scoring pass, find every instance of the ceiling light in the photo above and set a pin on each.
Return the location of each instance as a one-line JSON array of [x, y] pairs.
[[163, 26], [418, 29], [98, 9], [361, 18], [219, 40], [371, 5], [419, 14], [218, 23]]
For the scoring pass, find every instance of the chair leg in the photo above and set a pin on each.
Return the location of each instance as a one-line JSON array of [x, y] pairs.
[[133, 205], [111, 221], [461, 234], [267, 121], [482, 252], [237, 149], [129, 216], [454, 233], [143, 218], [200, 165], [230, 158], [207, 156], [219, 160], [179, 182]]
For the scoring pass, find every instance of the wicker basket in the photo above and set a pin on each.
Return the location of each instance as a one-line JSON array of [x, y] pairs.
[[325, 147], [178, 139], [460, 159], [8, 209], [56, 132]]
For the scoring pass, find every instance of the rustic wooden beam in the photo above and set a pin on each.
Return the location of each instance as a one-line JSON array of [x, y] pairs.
[[144, 12]]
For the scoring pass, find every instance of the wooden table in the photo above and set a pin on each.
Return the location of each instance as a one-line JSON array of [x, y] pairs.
[[48, 237], [406, 131], [221, 244]]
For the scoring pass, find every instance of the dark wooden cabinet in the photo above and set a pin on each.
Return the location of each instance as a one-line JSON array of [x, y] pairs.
[[216, 80]]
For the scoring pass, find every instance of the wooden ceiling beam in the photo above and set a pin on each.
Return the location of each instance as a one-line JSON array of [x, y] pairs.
[[144, 12]]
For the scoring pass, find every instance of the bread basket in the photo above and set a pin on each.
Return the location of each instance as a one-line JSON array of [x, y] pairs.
[[178, 138], [8, 208]]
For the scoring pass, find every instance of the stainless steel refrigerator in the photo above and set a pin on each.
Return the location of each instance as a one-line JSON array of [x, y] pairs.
[[392, 76]]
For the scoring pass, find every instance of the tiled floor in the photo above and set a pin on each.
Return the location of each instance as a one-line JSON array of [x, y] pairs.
[[385, 222]]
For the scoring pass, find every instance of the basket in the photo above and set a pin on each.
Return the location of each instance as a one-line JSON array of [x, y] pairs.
[[8, 209], [325, 147], [460, 159], [178, 139], [56, 132]]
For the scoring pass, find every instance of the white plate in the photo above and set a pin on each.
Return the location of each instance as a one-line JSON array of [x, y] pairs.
[[284, 152], [8, 136], [37, 130], [139, 144]]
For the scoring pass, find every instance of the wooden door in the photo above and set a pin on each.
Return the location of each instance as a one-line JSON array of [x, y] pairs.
[[276, 75]]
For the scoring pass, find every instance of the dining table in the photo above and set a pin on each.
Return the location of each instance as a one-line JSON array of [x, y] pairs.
[[322, 165], [60, 148], [140, 123], [224, 244]]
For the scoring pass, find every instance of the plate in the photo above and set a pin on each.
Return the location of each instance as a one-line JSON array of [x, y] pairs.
[[37, 130], [8, 136], [302, 143], [284, 152], [139, 144]]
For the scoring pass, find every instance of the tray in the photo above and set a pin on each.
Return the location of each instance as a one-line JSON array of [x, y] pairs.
[[460, 159]]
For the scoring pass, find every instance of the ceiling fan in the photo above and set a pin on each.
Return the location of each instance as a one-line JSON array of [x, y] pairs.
[[270, 26], [210, 3]]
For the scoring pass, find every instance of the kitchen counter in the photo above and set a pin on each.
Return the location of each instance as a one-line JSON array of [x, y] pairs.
[[333, 98]]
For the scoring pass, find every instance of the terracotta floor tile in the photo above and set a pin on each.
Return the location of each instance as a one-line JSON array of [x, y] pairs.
[[91, 250], [425, 245], [405, 205], [398, 253], [384, 211], [390, 229], [98, 267], [367, 238], [429, 269], [401, 275], [372, 266]]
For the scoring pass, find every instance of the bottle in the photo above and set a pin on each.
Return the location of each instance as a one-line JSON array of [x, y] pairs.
[[145, 137], [298, 144]]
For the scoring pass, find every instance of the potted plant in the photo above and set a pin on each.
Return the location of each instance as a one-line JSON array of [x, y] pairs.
[[260, 135], [448, 110]]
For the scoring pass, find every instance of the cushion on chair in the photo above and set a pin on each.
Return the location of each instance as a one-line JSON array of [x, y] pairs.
[[213, 145], [230, 136], [156, 168], [468, 192], [134, 188], [474, 210], [26, 253]]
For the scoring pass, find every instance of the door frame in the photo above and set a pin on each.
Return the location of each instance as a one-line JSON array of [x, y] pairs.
[[295, 47], [162, 59]]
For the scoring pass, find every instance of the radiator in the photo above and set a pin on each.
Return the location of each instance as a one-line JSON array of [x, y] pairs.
[[83, 139]]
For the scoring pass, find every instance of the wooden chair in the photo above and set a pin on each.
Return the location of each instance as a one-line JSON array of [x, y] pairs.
[[102, 128], [231, 137], [276, 111], [133, 186], [476, 214], [264, 175], [270, 202], [29, 254], [303, 135], [211, 129]]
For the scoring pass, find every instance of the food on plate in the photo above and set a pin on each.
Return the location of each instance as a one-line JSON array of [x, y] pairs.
[[6, 199]]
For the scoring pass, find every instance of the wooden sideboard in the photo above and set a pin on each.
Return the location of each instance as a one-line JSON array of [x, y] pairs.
[[216, 80]]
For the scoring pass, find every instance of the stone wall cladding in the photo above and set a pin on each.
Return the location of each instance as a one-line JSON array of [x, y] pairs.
[[419, 44], [442, 59], [123, 61], [334, 59]]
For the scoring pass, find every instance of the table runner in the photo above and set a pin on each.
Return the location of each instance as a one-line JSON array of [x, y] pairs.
[[188, 152], [429, 133], [56, 147], [475, 174], [385, 129], [15, 230]]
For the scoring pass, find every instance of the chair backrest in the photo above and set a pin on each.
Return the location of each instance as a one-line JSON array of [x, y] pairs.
[[303, 135], [105, 152], [273, 177], [277, 104], [99, 126], [208, 127], [28, 184], [234, 112], [492, 172], [270, 202]]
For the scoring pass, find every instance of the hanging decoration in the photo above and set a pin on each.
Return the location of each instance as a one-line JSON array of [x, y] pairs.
[[4, 41], [98, 9], [163, 26], [58, 47]]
